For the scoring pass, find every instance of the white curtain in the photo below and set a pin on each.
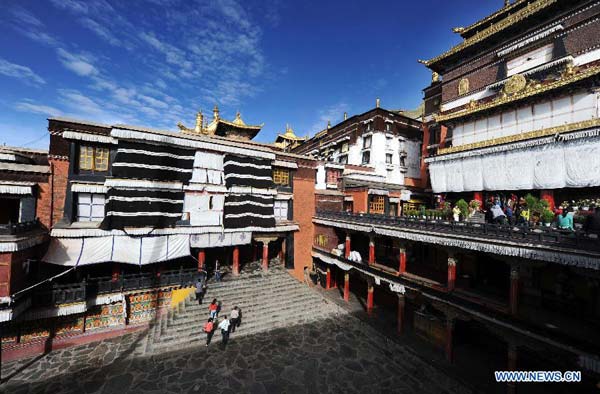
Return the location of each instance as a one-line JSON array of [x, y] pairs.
[[121, 249], [552, 166]]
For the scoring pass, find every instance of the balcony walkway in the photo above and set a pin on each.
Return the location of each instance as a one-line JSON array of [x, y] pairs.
[[540, 243]]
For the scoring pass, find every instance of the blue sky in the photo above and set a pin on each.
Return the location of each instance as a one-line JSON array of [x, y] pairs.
[[156, 62]]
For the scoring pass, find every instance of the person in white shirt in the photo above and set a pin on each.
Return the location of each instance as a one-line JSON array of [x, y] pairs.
[[235, 319], [224, 326]]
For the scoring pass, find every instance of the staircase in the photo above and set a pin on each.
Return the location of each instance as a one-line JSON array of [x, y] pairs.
[[267, 301]]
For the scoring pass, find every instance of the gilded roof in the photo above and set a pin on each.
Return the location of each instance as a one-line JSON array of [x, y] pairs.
[[525, 12], [507, 9]]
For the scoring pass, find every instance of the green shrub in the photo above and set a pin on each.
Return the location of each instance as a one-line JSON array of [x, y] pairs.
[[464, 207]]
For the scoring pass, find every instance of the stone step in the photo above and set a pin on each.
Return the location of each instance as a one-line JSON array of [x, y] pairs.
[[199, 338], [246, 299], [256, 312]]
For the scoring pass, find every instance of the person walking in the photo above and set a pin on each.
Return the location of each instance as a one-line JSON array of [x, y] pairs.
[[224, 326], [199, 290], [212, 309], [209, 329], [235, 318], [217, 271]]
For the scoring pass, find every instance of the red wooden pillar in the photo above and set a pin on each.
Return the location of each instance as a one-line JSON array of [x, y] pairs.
[[548, 195], [347, 246], [346, 287], [449, 339], [401, 301], [116, 271], [371, 250], [402, 268], [370, 299], [451, 273], [328, 279], [265, 256], [514, 291], [478, 196], [236, 260], [201, 259], [512, 366]]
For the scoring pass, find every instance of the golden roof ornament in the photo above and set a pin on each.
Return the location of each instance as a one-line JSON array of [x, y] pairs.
[[506, 3], [216, 112], [199, 122], [238, 119], [435, 77], [458, 29], [515, 84], [463, 86]]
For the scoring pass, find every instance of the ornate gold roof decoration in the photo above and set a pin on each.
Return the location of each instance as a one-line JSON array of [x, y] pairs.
[[567, 128], [458, 29], [515, 84], [463, 86], [200, 127], [435, 77], [289, 139], [518, 16], [211, 129], [506, 8], [532, 88]]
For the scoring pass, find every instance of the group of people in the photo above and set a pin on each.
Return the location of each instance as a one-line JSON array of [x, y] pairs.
[[226, 325]]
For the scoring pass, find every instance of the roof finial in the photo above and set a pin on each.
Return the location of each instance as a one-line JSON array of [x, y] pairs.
[[216, 112], [199, 122], [345, 115], [328, 124], [238, 115], [377, 102], [435, 77]]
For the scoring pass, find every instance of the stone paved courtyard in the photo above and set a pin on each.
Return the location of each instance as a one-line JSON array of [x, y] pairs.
[[340, 355]]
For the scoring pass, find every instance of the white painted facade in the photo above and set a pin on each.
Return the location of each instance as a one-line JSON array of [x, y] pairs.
[[559, 111], [405, 158]]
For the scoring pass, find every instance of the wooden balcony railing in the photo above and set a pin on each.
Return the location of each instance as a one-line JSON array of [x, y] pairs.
[[548, 236]]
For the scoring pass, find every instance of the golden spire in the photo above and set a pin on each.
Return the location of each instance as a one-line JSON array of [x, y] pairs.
[[238, 119], [345, 115], [458, 29], [435, 77], [199, 122], [216, 112], [328, 125], [377, 102]]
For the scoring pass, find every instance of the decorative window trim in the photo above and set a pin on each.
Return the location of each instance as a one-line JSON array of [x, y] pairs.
[[102, 139], [281, 177]]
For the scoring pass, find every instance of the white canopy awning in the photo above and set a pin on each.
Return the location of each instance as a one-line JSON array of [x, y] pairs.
[[220, 239], [120, 249], [14, 187]]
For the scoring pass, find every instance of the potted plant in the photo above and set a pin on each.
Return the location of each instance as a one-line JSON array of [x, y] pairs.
[[464, 208], [547, 217]]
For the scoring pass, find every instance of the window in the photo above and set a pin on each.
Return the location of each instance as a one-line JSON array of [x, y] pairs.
[[93, 158], [366, 157], [367, 142], [345, 147], [402, 161], [281, 209], [281, 177], [377, 204], [388, 158], [369, 126], [343, 159], [333, 176], [90, 207], [388, 127], [321, 240]]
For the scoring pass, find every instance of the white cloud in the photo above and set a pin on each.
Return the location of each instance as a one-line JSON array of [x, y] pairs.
[[20, 72], [80, 64], [334, 113], [30, 106]]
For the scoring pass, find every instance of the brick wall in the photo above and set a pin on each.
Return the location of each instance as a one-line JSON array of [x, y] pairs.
[[304, 209], [51, 200]]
